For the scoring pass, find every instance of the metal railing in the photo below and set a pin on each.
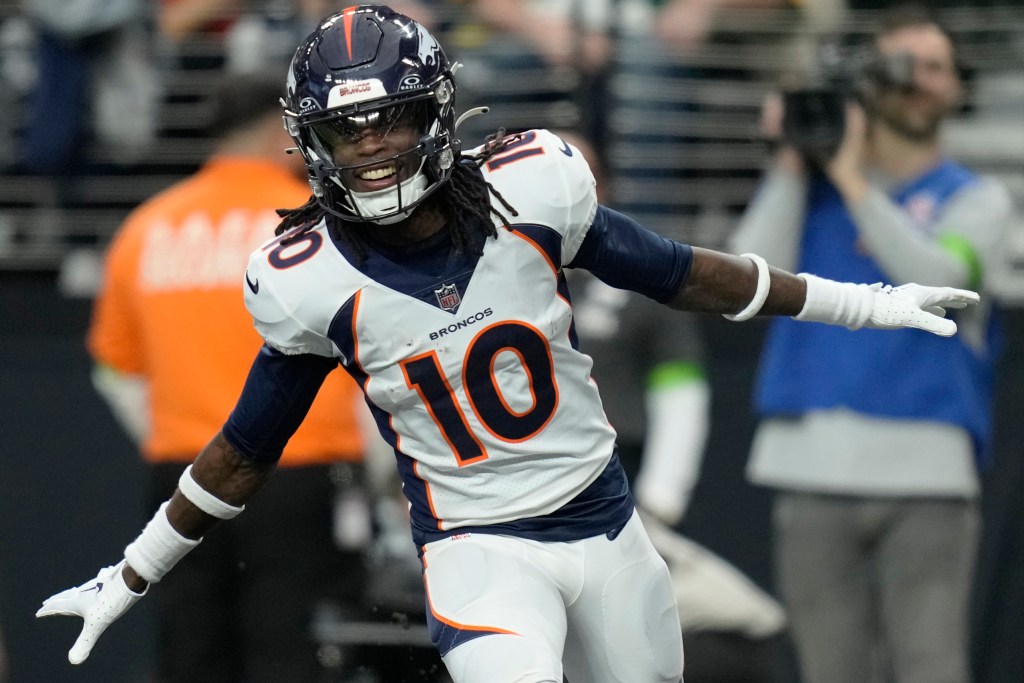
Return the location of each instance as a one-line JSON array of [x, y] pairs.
[[683, 150]]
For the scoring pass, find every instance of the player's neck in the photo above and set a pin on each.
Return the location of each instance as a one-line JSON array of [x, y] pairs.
[[425, 222]]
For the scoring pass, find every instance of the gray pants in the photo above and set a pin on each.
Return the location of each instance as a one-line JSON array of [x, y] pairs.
[[877, 589]]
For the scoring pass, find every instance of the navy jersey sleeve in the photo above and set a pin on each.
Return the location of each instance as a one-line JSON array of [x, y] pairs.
[[626, 255], [277, 395]]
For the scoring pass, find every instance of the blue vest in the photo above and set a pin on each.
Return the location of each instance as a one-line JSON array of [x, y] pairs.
[[901, 374]]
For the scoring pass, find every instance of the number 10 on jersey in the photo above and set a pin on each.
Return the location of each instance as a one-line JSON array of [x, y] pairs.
[[425, 375]]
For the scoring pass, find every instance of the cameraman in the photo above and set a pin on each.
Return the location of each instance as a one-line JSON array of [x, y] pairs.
[[874, 441]]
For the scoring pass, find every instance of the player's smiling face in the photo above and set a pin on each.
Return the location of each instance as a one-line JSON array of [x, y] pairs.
[[375, 148]]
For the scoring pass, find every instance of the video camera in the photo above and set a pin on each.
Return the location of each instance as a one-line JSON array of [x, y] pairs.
[[814, 118]]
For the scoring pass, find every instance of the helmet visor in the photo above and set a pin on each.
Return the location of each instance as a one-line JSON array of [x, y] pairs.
[[341, 131]]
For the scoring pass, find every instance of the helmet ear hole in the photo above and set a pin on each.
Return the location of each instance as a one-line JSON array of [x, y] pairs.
[[352, 68]]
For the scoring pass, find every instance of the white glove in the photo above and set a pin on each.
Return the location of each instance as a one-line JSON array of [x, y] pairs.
[[918, 306], [878, 307], [100, 602]]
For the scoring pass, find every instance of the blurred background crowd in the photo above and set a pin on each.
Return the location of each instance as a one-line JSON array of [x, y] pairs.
[[105, 103]]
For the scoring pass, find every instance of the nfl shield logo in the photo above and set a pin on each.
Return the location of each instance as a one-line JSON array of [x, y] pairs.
[[448, 297]]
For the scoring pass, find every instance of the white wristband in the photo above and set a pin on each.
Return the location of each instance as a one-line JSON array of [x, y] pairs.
[[764, 283], [203, 499], [837, 303], [158, 548]]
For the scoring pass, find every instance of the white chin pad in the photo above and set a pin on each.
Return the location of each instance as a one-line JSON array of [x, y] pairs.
[[373, 205]]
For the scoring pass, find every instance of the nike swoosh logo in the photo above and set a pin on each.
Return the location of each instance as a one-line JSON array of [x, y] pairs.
[[565, 148], [254, 286], [98, 587]]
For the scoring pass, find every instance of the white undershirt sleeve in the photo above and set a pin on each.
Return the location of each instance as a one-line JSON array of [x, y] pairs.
[[677, 429]]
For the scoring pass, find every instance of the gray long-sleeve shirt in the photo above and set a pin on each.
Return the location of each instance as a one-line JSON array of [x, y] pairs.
[[839, 450]]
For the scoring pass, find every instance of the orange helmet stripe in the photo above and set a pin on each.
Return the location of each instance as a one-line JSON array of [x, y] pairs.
[[349, 12]]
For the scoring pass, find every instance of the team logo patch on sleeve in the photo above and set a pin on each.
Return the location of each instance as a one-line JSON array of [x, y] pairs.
[[448, 297]]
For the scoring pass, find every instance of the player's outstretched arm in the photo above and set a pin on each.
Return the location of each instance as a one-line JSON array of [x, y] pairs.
[[213, 488], [741, 287]]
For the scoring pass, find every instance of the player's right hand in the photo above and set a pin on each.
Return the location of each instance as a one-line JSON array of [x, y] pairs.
[[100, 602]]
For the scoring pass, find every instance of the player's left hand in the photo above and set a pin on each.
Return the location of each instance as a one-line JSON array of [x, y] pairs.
[[918, 306], [100, 602]]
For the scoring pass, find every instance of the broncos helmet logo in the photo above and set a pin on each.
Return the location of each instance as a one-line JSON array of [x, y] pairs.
[[430, 53]]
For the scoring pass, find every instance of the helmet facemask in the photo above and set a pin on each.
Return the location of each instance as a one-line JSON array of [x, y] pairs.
[[346, 190]]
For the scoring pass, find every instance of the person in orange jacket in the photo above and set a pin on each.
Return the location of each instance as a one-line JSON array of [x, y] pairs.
[[172, 342]]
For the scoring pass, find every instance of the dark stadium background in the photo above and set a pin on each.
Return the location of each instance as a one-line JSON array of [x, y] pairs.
[[70, 480]]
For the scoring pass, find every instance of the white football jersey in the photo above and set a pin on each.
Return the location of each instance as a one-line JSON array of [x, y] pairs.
[[472, 374]]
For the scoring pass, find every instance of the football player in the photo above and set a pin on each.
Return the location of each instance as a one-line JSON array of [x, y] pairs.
[[435, 278]]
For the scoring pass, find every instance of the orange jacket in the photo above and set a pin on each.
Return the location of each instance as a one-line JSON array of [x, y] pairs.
[[171, 310]]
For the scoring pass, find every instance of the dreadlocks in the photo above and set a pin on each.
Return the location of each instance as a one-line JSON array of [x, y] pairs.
[[307, 215], [465, 200]]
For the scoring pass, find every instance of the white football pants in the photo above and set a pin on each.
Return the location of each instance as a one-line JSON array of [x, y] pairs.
[[510, 610]]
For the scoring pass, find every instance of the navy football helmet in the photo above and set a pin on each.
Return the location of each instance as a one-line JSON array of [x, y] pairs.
[[371, 67]]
